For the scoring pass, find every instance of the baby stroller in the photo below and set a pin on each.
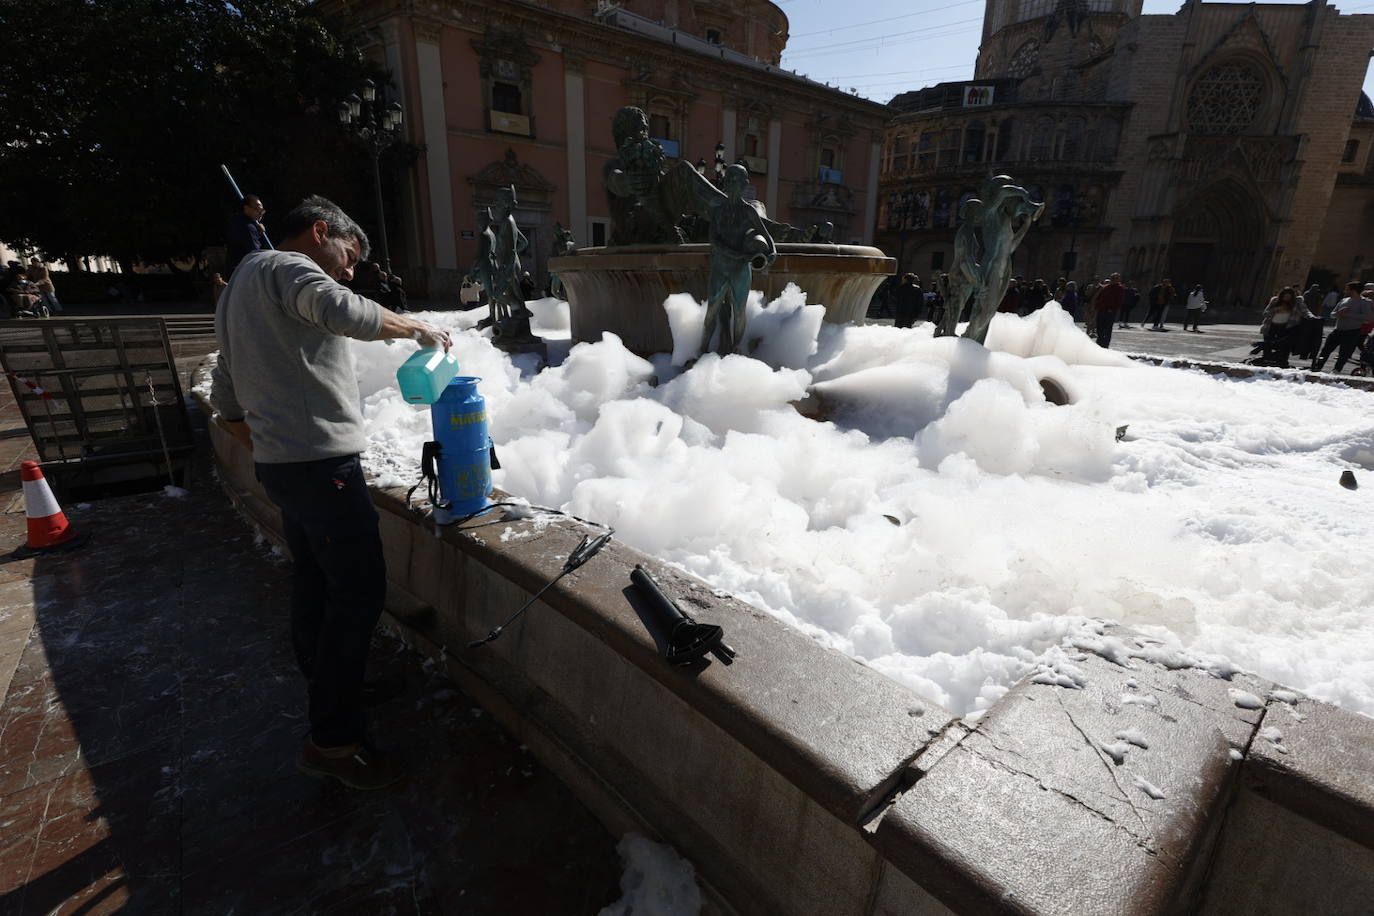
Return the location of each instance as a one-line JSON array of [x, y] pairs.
[[1365, 364], [1274, 349]]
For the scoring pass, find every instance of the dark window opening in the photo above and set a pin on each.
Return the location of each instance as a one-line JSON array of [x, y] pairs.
[[1352, 147], [974, 135], [659, 127], [713, 36], [506, 97], [937, 260], [925, 156], [1004, 137], [827, 158], [598, 235], [751, 145]]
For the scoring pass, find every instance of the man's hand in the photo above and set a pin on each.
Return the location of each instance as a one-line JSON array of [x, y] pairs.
[[238, 429], [403, 326]]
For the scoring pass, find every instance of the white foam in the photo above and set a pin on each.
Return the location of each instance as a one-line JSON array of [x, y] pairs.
[[656, 881], [1219, 528]]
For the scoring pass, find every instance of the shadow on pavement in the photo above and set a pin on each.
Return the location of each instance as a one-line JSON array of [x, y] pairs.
[[147, 746]]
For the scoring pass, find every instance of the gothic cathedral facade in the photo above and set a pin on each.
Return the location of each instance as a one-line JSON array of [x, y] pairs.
[[1224, 144]]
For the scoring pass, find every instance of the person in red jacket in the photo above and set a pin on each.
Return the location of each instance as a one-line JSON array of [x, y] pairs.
[[1108, 302]]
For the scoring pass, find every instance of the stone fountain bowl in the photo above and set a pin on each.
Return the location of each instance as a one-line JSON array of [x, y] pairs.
[[622, 289]]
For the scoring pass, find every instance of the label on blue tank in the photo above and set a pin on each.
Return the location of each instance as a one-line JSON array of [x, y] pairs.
[[465, 419]]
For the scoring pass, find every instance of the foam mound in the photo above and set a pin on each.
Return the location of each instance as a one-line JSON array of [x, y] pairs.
[[1217, 526]]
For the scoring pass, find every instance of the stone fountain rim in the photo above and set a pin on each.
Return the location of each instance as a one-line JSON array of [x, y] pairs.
[[803, 249]]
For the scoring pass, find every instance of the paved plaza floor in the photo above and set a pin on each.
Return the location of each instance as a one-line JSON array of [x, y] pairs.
[[150, 712]]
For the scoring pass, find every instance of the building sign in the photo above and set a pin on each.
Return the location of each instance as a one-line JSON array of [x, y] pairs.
[[755, 164], [977, 96]]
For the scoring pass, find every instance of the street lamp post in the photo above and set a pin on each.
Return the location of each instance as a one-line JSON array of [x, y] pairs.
[[377, 126]]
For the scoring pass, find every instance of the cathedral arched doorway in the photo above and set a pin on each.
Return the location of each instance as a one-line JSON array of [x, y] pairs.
[[1219, 241]]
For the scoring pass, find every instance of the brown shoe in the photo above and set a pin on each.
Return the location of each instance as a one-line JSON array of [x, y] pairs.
[[355, 765]]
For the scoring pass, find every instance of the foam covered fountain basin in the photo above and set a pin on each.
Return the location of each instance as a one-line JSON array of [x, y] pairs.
[[622, 289]]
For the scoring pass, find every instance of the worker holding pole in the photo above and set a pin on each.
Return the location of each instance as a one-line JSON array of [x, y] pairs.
[[246, 232]]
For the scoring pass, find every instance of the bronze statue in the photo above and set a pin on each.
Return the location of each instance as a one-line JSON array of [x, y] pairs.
[[563, 245], [632, 179], [510, 319], [484, 266], [991, 227], [653, 206], [740, 244]]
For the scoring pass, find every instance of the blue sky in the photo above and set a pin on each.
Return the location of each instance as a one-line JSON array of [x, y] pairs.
[[883, 47]]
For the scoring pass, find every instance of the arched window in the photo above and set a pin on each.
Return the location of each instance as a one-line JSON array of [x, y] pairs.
[[1024, 60], [1072, 147], [1226, 99], [974, 135], [925, 150], [1041, 139], [949, 147], [1006, 135]]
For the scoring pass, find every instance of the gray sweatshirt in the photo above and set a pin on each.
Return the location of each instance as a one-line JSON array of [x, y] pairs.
[[284, 363], [1353, 312]]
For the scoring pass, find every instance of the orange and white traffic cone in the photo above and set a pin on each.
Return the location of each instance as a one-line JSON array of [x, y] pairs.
[[48, 525]]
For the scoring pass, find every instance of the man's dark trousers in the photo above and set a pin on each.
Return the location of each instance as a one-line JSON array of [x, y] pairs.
[[1105, 322], [1346, 340], [338, 585]]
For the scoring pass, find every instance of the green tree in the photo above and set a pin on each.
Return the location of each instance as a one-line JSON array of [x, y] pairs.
[[119, 112]]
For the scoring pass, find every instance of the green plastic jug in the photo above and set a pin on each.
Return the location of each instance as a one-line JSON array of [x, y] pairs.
[[424, 376]]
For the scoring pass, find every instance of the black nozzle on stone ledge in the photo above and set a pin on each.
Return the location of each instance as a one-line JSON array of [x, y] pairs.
[[680, 639]]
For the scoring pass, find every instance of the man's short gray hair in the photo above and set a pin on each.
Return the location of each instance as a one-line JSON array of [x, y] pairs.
[[315, 208]]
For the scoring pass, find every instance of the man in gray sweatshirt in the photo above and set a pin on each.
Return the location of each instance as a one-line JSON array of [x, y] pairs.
[[285, 386]]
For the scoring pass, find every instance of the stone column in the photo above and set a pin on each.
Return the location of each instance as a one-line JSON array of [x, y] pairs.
[[875, 156], [410, 222], [437, 165], [575, 105], [774, 166]]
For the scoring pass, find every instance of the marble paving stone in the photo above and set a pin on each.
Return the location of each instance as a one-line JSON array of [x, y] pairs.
[[21, 820], [12, 646]]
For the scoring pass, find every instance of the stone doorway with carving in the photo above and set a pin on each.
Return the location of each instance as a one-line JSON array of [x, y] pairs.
[[1219, 240]]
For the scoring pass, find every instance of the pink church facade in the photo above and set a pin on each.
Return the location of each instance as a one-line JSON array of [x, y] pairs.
[[524, 94]]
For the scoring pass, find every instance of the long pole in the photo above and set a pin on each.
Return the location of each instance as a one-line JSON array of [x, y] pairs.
[[385, 255], [234, 185]]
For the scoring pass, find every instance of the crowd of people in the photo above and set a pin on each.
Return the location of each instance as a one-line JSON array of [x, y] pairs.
[[1100, 304], [1293, 325]]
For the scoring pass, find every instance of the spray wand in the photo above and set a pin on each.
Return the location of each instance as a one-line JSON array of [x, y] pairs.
[[588, 548]]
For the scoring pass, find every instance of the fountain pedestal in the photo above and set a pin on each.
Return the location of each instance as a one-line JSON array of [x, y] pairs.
[[622, 289]]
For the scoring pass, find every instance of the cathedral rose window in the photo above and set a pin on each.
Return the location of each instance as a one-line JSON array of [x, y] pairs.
[[1024, 60], [1226, 99]]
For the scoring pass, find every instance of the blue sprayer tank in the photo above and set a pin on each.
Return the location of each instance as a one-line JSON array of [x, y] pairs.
[[460, 428]]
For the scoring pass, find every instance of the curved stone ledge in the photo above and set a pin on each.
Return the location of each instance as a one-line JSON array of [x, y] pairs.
[[799, 781]]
